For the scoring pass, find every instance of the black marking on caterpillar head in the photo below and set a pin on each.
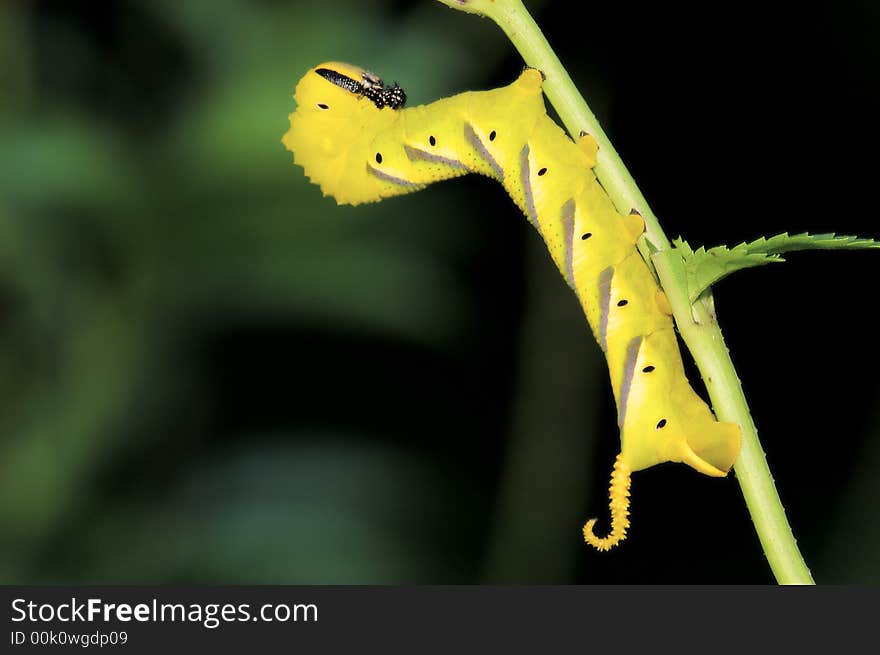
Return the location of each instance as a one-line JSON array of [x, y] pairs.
[[370, 86], [648, 369], [661, 424], [322, 105], [340, 80], [622, 303], [586, 235], [386, 96]]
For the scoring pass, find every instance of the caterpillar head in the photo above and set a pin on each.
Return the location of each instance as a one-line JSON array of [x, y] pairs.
[[340, 107]]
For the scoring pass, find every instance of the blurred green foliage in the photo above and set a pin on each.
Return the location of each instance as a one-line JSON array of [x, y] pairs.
[[137, 221]]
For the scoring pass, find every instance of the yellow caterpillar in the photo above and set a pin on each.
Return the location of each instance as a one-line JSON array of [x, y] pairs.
[[353, 138]]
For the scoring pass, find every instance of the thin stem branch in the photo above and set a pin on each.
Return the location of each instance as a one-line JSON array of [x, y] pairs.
[[696, 322]]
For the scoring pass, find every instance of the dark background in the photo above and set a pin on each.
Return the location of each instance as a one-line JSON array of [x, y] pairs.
[[210, 373]]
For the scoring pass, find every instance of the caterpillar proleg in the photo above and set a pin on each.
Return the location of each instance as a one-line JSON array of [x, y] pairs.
[[353, 138]]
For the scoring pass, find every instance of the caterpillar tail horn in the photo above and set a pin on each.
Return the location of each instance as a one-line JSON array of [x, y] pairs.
[[619, 495]]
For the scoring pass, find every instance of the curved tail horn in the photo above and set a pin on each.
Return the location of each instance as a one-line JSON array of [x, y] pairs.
[[619, 494]]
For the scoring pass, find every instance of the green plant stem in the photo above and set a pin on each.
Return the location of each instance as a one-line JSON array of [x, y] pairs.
[[703, 337], [696, 322]]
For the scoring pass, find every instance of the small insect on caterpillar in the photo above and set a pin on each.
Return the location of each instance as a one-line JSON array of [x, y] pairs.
[[353, 138]]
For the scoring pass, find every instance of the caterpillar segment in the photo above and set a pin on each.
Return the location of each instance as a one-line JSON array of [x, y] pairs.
[[358, 150]]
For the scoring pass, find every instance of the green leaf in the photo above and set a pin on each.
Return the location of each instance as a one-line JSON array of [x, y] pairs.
[[706, 267]]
